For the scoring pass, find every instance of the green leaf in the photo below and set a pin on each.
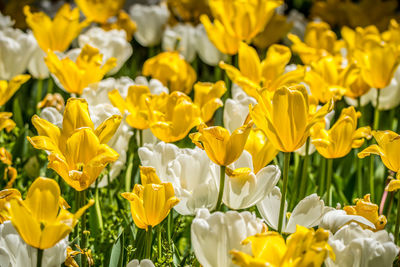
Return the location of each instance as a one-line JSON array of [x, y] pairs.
[[117, 251]]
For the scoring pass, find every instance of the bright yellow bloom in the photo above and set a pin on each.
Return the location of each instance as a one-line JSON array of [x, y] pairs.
[[100, 11], [5, 156], [325, 81], [254, 74], [285, 118], [220, 146], [353, 82], [5, 196], [78, 152], [276, 29], [305, 247], [360, 38], [377, 68], [365, 208], [172, 70], [123, 22], [172, 116], [135, 104], [319, 41], [342, 137], [56, 34], [6, 122], [152, 200], [39, 219], [7, 89], [207, 96], [87, 69], [388, 149], [261, 149]]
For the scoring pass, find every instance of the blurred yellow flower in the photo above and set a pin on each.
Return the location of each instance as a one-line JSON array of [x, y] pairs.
[[305, 247], [5, 196], [87, 69], [123, 22], [207, 96], [353, 81], [221, 147], [388, 149], [254, 74], [342, 137], [285, 117], [78, 152], [100, 11], [365, 208], [187, 10], [261, 149], [7, 89], [360, 38], [151, 201], [39, 219], [172, 70], [56, 34], [135, 104], [172, 116], [6, 122], [319, 41]]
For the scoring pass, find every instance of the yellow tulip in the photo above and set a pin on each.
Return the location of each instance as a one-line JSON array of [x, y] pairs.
[[261, 149], [151, 201], [56, 34], [325, 80], [134, 104], [285, 119], [78, 152], [377, 68], [388, 149], [319, 41], [220, 146], [39, 220], [207, 96], [172, 116], [305, 247], [360, 38], [87, 69], [123, 22], [172, 70], [365, 208], [5, 196], [353, 82], [276, 29], [187, 10], [100, 11], [7, 89], [254, 74], [342, 137], [6, 122]]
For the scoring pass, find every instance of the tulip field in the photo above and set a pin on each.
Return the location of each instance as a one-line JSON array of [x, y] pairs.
[[213, 133]]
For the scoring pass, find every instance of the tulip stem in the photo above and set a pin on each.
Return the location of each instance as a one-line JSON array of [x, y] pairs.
[[303, 183], [371, 177], [50, 85], [359, 176], [321, 186], [376, 114], [284, 188], [128, 174], [39, 257], [329, 181], [39, 93], [140, 138], [82, 235], [159, 243], [148, 242], [221, 188], [396, 229]]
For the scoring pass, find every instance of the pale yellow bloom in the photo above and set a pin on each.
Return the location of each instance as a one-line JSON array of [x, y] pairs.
[[151, 201], [39, 219], [56, 34], [275, 30], [100, 11], [172, 70], [87, 69], [285, 117], [221, 147], [342, 137], [207, 96], [7, 89]]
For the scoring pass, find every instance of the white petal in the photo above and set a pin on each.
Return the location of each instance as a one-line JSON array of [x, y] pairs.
[[335, 219], [269, 208]]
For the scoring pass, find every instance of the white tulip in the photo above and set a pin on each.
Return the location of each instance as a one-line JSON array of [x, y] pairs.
[[5, 21], [111, 43], [143, 263], [14, 252], [150, 21], [308, 212], [181, 37], [214, 235], [244, 192], [36, 65], [155, 86], [190, 171], [16, 48], [206, 50], [299, 25], [335, 219], [357, 247], [236, 109]]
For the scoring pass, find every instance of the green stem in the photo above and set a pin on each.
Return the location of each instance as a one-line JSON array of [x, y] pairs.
[[376, 114], [39, 257], [372, 177], [98, 209], [322, 177], [148, 242], [359, 176], [283, 198], [39, 92], [140, 138], [50, 85], [329, 181], [159, 243], [128, 174], [82, 235], [396, 229], [303, 183], [221, 188]]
